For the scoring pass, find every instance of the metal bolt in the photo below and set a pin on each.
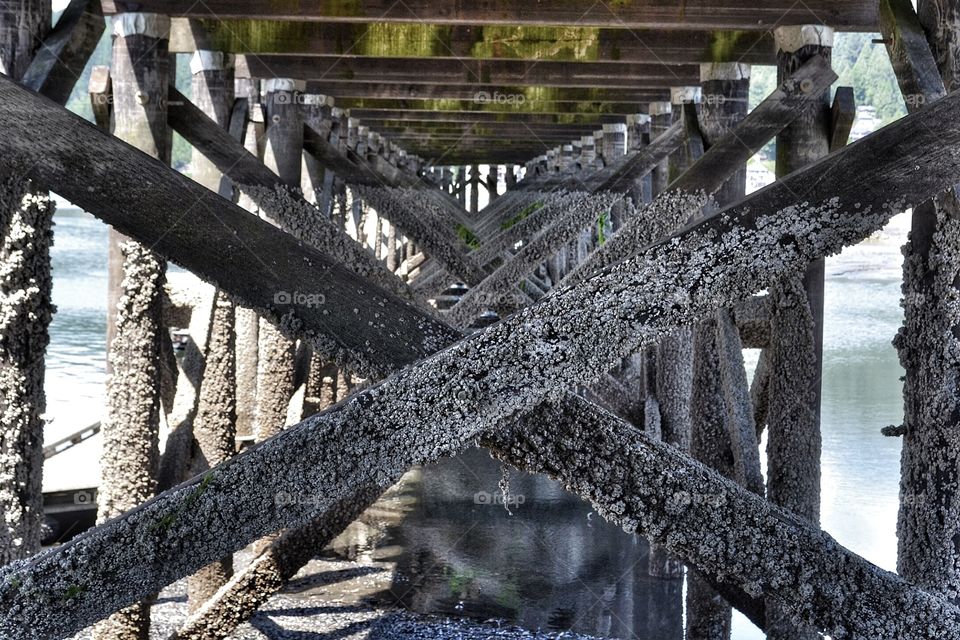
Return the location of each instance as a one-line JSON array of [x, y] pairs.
[[143, 98], [276, 118], [806, 85]]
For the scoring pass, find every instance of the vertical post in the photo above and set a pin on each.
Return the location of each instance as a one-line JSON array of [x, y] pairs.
[[725, 89], [493, 181], [672, 358], [461, 185], [614, 148], [275, 361], [316, 112], [140, 76], [681, 100], [26, 221], [247, 321], [614, 141], [793, 450], [928, 527], [475, 189], [661, 117], [214, 429]]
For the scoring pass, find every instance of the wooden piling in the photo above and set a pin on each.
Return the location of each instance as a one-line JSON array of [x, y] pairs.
[[26, 219], [140, 77], [275, 362], [214, 428], [793, 450]]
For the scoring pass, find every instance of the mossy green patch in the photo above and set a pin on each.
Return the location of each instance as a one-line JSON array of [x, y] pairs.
[[567, 43], [169, 519], [73, 591], [602, 227], [520, 216], [468, 237], [258, 36], [406, 40], [724, 45]]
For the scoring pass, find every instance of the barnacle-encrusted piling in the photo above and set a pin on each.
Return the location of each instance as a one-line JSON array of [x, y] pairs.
[[130, 431], [26, 219]]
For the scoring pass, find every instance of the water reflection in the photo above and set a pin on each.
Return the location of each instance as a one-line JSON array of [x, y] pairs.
[[552, 565]]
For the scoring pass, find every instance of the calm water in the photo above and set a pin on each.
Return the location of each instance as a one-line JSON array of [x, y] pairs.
[[553, 563]]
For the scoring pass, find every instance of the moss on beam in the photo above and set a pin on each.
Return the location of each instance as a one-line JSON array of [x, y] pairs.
[[481, 42]]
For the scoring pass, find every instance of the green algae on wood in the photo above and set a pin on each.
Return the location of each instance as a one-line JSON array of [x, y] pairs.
[[573, 43]]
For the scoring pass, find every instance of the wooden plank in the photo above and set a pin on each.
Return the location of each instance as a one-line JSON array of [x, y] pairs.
[[843, 114], [764, 15], [59, 63], [381, 39], [458, 71], [196, 228]]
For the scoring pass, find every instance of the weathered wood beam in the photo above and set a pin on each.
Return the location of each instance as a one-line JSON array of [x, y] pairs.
[[571, 44], [590, 107], [390, 129], [842, 116], [469, 156], [854, 15], [329, 156], [203, 232], [913, 63], [419, 115], [459, 71], [58, 64], [483, 92], [217, 144], [514, 365]]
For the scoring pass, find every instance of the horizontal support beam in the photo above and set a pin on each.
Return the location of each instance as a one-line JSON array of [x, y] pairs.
[[588, 107], [419, 115], [761, 15], [507, 73], [477, 128], [618, 92], [381, 39]]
